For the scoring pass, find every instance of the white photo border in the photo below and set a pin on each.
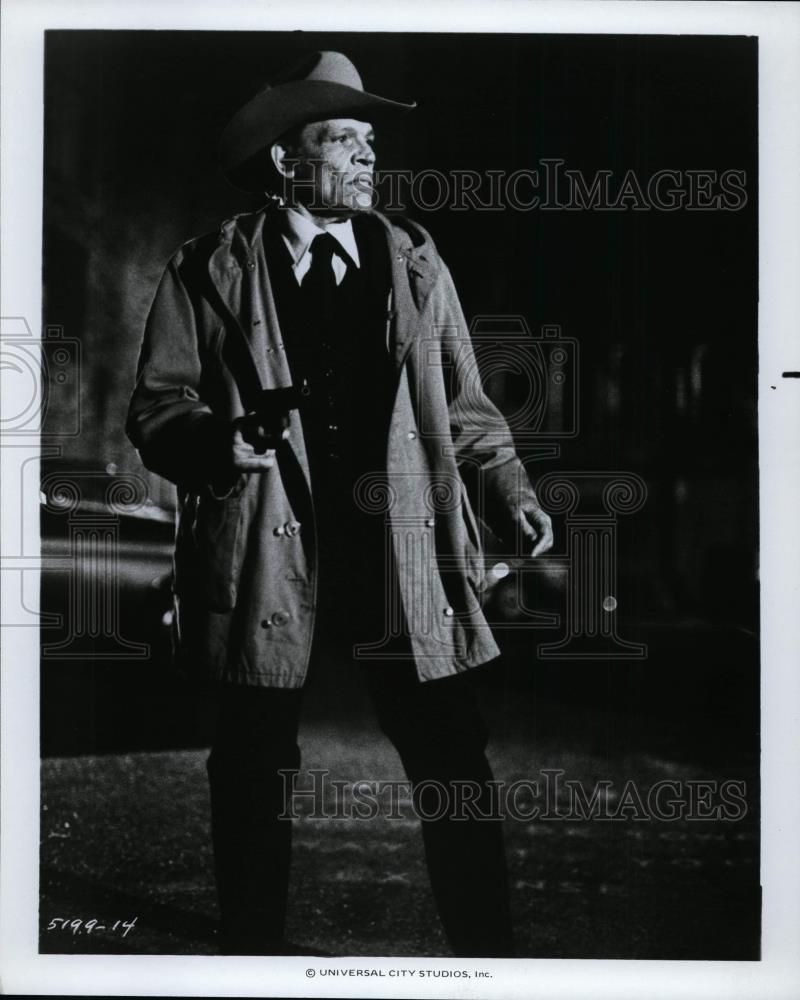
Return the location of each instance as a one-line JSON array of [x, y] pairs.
[[777, 975]]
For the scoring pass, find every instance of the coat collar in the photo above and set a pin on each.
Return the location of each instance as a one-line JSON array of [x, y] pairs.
[[414, 266], [238, 271], [414, 270]]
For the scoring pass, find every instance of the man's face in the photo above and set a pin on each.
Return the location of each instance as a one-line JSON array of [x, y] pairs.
[[334, 165]]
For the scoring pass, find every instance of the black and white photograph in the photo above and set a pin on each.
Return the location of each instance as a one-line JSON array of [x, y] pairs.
[[386, 478]]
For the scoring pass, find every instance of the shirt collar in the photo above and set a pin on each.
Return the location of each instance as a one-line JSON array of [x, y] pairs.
[[299, 232]]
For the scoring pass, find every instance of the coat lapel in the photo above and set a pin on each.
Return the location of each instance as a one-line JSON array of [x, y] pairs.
[[231, 268], [239, 272], [413, 275]]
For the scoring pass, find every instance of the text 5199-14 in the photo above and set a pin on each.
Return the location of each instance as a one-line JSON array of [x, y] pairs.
[[79, 926]]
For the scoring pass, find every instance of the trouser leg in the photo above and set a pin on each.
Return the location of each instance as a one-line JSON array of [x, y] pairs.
[[438, 730], [256, 738]]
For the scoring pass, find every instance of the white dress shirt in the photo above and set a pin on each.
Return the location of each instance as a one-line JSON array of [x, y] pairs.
[[298, 234]]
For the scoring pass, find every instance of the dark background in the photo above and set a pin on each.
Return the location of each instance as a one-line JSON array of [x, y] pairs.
[[662, 304], [131, 127]]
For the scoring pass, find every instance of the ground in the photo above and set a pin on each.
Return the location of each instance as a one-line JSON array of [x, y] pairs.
[[126, 836]]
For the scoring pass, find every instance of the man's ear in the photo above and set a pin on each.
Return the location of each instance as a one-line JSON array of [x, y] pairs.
[[280, 156]]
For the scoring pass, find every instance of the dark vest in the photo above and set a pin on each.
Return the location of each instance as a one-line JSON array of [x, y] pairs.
[[341, 352]]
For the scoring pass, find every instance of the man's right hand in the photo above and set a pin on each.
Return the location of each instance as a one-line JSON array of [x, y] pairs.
[[253, 446]]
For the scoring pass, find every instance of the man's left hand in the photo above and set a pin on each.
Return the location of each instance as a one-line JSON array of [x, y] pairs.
[[535, 525]]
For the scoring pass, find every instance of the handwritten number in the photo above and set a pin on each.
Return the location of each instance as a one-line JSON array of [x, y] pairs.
[[76, 924]]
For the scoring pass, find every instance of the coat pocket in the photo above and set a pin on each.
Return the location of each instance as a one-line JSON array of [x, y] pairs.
[[218, 535]]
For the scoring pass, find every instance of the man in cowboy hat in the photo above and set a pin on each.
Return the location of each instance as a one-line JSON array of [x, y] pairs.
[[307, 382]]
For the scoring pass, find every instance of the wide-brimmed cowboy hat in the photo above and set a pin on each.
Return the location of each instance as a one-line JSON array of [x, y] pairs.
[[322, 85]]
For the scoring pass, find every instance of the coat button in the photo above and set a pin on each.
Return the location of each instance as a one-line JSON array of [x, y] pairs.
[[412, 435], [293, 528], [280, 618], [279, 530], [430, 522], [448, 612], [266, 623]]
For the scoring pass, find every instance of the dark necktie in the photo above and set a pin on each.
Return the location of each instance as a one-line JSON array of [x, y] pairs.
[[320, 280]]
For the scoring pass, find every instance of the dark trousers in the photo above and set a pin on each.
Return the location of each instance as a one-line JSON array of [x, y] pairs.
[[440, 735]]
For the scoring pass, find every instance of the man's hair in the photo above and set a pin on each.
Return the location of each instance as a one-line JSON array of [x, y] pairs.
[[259, 173]]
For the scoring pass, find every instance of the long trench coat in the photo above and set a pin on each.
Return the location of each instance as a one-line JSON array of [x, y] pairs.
[[245, 570]]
